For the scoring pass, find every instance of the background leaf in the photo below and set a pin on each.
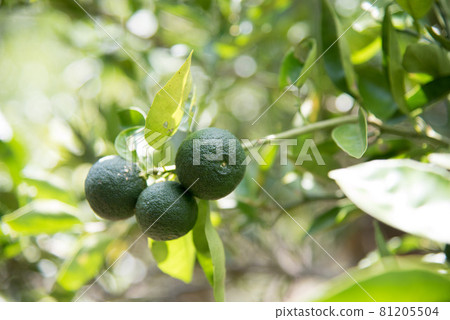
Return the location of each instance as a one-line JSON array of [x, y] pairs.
[[127, 142], [175, 257], [167, 109], [42, 217], [426, 58], [131, 117], [392, 59], [297, 63], [429, 93], [405, 280], [405, 194], [210, 251], [352, 137], [416, 8], [375, 92], [85, 263], [337, 59]]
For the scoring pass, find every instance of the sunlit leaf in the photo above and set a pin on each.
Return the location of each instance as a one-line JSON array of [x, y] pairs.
[[429, 93], [416, 8], [131, 117], [352, 137], [403, 279], [297, 63], [210, 251], [175, 257], [392, 59], [85, 263], [405, 194], [364, 44], [167, 109], [47, 189], [337, 57], [127, 142], [426, 58], [440, 159], [42, 217]]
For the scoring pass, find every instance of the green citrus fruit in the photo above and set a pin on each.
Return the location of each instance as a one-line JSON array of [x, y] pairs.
[[210, 162], [113, 186], [166, 211]]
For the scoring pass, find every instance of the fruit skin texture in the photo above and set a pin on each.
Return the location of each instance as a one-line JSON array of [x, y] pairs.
[[217, 177], [166, 211], [113, 186]]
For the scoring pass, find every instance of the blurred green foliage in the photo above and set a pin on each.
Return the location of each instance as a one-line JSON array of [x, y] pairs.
[[73, 78]]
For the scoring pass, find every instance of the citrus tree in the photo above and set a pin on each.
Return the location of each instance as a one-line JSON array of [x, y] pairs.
[[342, 113]]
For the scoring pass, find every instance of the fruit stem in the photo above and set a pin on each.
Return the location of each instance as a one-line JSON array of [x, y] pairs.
[[325, 124], [331, 123], [160, 170]]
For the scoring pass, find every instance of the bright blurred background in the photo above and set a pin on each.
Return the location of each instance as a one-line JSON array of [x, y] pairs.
[[63, 80]]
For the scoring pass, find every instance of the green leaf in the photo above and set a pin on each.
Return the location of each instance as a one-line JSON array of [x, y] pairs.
[[210, 251], [47, 189], [131, 117], [405, 194], [380, 241], [429, 93], [337, 59], [416, 8], [364, 44], [167, 109], [426, 58], [352, 137], [85, 263], [42, 217], [442, 40], [375, 92], [388, 282], [297, 63], [392, 59], [175, 257], [127, 142], [331, 218]]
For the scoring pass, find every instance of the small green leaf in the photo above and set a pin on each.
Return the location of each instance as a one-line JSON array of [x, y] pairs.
[[331, 218], [127, 142], [392, 59], [416, 8], [131, 117], [210, 251], [167, 109], [375, 92], [385, 281], [337, 57], [85, 263], [405, 194], [429, 93], [381, 242], [426, 58], [297, 63], [42, 217], [352, 138], [175, 257]]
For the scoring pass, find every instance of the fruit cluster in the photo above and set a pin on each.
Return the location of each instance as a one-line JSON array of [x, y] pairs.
[[209, 165]]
